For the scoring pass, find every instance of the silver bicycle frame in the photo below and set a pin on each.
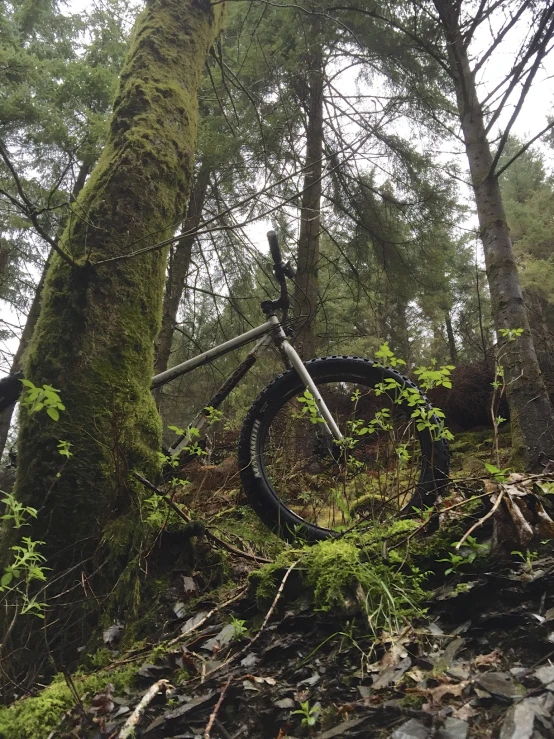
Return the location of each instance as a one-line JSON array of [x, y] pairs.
[[269, 332]]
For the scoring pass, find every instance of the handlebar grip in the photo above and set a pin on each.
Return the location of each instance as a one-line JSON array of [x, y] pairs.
[[274, 247]]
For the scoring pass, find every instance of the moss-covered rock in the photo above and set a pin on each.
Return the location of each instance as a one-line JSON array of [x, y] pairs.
[[36, 716]]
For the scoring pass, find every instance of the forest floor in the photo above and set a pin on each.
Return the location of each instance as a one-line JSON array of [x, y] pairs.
[[468, 652]]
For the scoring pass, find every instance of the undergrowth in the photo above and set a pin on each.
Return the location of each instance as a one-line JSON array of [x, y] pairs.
[[351, 572]]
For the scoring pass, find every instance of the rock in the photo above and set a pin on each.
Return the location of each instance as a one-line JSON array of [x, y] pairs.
[[546, 676], [518, 723], [459, 672], [285, 703], [454, 728], [113, 634], [502, 684], [412, 729], [520, 719]]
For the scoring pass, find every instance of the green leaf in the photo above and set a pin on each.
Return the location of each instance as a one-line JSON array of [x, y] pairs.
[[53, 413]]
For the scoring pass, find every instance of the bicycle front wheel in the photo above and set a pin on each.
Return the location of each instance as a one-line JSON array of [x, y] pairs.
[[303, 484]]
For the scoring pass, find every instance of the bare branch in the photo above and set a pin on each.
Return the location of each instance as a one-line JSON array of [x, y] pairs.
[[30, 211], [524, 148]]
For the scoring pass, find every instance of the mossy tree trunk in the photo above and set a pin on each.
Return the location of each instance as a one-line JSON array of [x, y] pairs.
[[95, 335]]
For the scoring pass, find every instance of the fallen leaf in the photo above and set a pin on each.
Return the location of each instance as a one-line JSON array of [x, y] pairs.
[[102, 703], [391, 675], [465, 712], [436, 694], [488, 660]]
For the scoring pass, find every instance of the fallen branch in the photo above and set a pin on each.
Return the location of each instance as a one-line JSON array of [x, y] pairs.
[[211, 537], [128, 728], [481, 521], [217, 706]]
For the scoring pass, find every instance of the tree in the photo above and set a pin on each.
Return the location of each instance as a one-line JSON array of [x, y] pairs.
[[532, 419], [59, 78], [443, 40], [100, 314], [528, 195]]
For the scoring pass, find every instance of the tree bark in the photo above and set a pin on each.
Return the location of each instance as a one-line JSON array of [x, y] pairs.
[[177, 274], [95, 335], [305, 293], [452, 350], [532, 420]]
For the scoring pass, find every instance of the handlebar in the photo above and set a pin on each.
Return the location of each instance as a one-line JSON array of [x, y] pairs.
[[274, 247], [280, 270]]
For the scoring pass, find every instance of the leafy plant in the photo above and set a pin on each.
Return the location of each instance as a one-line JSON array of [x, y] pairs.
[[63, 449], [309, 409], [510, 334], [433, 376], [310, 714], [47, 397], [498, 475], [212, 414], [386, 356], [16, 511], [239, 628], [466, 555], [528, 558]]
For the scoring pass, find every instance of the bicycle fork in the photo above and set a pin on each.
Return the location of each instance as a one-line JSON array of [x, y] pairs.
[[291, 356]]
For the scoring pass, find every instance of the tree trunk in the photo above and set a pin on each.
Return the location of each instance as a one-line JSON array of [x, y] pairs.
[[95, 335], [305, 293], [532, 420], [452, 350], [177, 274], [7, 414]]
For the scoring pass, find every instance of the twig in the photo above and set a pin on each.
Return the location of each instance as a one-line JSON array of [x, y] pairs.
[[255, 638], [128, 728], [481, 521], [208, 616], [217, 706], [212, 537], [28, 209]]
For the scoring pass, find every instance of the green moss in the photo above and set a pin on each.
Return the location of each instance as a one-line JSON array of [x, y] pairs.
[[35, 717], [413, 702], [346, 571]]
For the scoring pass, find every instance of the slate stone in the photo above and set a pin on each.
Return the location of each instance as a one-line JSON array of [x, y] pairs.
[[502, 684], [412, 729], [454, 728]]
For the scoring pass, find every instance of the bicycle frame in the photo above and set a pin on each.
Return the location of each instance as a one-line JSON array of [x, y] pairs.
[[267, 333]]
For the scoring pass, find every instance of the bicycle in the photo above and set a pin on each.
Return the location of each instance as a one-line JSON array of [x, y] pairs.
[[329, 443]]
